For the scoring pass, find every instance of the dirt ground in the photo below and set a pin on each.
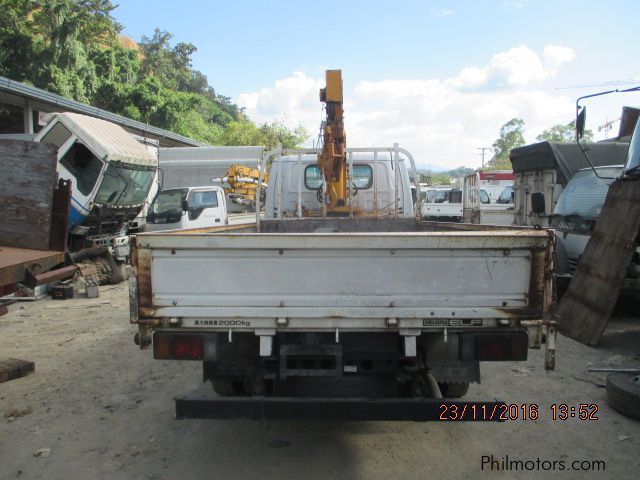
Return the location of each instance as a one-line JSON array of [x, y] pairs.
[[101, 408]]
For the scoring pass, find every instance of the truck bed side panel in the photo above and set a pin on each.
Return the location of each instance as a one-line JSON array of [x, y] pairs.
[[353, 281]]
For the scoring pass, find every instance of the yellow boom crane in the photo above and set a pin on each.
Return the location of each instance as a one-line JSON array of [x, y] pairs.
[[332, 159], [243, 184]]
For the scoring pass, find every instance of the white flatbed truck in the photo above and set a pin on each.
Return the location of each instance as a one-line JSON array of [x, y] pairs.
[[302, 315]]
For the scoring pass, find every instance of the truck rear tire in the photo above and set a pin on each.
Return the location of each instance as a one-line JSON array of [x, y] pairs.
[[623, 393], [223, 387], [232, 387], [454, 390]]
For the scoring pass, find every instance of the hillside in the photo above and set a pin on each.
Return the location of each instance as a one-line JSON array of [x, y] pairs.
[[75, 48]]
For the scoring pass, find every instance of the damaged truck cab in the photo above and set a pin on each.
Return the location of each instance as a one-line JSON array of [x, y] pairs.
[[111, 175]]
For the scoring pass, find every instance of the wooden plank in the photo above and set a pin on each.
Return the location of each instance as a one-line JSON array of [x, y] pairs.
[[13, 368], [27, 181], [587, 306]]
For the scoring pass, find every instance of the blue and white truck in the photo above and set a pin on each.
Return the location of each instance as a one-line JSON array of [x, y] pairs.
[[111, 173]]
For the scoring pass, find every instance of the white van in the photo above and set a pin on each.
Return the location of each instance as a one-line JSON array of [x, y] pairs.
[[189, 207]]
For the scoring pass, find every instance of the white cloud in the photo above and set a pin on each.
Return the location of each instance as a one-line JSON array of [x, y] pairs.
[[555, 55], [442, 121], [517, 66], [472, 77]]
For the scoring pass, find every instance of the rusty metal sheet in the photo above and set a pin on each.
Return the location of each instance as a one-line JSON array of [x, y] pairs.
[[60, 215], [63, 273], [27, 181], [141, 263], [14, 261]]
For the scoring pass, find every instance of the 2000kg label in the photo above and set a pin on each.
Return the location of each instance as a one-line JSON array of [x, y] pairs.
[[221, 323]]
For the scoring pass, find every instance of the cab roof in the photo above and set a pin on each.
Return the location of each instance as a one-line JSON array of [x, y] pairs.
[[106, 140]]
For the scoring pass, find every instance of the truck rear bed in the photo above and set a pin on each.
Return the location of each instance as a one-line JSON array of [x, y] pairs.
[[341, 274], [340, 318]]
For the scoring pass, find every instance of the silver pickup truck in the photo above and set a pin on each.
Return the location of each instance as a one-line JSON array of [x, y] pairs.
[[373, 317]]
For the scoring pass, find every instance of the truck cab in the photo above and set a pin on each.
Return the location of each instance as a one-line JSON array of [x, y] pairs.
[[111, 175], [187, 208], [379, 178], [574, 218]]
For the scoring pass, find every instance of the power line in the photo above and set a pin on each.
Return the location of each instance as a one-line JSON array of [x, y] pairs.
[[604, 84]]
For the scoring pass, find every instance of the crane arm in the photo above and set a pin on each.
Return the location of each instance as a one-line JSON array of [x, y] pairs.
[[332, 159]]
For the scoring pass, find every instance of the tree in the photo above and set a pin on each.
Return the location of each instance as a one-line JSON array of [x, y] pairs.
[[73, 48], [460, 172], [276, 133], [18, 50], [269, 134], [440, 179], [431, 178], [511, 136], [563, 134], [171, 65]]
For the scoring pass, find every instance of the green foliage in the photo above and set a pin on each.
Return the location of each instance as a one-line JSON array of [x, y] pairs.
[[441, 179], [270, 134], [511, 136], [241, 133], [460, 172], [18, 50], [276, 133], [563, 134], [432, 178], [72, 47]]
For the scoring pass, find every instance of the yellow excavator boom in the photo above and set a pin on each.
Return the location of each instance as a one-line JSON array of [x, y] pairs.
[[332, 160]]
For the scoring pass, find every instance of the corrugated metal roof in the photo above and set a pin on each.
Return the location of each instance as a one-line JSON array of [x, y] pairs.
[[107, 140], [33, 93]]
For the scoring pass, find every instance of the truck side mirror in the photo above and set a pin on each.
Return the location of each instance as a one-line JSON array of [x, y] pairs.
[[537, 203], [580, 121], [185, 205]]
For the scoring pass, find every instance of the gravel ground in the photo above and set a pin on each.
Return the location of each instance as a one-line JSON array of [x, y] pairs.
[[97, 407]]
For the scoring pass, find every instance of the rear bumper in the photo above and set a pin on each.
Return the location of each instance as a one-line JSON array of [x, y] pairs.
[[334, 409]]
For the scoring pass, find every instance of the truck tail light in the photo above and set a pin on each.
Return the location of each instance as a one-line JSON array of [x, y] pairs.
[[511, 346], [162, 346], [176, 346], [187, 347], [494, 346]]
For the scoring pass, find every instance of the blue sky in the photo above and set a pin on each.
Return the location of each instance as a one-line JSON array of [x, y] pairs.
[[430, 73]]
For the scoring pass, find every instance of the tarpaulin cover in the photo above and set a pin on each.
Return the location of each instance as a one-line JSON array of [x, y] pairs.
[[566, 158]]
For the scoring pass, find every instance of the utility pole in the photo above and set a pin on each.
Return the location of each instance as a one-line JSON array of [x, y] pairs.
[[483, 149], [607, 126]]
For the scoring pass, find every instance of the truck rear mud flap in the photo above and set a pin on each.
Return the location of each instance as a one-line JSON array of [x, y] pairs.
[[341, 409]]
